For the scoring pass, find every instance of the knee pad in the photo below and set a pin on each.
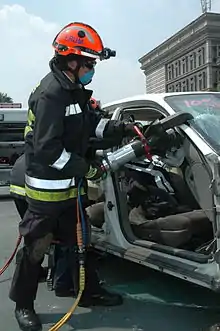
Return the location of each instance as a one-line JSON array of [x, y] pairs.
[[39, 247]]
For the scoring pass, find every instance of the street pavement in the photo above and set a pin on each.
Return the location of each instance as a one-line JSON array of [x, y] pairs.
[[153, 301]]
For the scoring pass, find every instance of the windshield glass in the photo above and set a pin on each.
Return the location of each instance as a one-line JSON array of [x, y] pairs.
[[206, 111]]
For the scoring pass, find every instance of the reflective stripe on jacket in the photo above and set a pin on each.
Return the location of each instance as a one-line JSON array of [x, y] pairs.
[[17, 191], [51, 190]]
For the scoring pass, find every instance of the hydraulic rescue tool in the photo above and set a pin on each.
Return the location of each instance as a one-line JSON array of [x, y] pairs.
[[145, 144]]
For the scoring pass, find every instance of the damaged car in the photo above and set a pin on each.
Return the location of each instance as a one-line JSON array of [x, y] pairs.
[[164, 212]]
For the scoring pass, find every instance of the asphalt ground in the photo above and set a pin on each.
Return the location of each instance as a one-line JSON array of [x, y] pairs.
[[152, 301]]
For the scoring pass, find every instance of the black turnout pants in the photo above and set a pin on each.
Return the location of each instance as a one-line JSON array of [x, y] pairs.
[[38, 231], [21, 205]]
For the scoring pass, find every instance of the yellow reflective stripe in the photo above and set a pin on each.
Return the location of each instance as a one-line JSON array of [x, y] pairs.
[[27, 130], [30, 122], [31, 117], [53, 196], [17, 190]]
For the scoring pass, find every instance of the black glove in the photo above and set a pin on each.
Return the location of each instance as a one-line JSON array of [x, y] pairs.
[[90, 154], [103, 143], [96, 172], [164, 142]]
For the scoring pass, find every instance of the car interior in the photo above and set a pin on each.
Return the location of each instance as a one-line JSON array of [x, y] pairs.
[[169, 207]]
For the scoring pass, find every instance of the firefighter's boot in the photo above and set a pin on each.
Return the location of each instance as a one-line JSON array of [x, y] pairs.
[[27, 319]]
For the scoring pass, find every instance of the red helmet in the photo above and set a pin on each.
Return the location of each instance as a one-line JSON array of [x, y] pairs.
[[81, 39]]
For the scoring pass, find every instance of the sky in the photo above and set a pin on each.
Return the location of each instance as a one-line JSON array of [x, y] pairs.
[[132, 28]]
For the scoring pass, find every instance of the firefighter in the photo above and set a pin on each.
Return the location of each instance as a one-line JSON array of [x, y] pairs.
[[58, 129], [62, 280]]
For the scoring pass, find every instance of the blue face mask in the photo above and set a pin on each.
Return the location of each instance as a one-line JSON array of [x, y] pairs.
[[87, 78]]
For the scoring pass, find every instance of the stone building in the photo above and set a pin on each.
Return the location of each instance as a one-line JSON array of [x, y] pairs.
[[188, 61]]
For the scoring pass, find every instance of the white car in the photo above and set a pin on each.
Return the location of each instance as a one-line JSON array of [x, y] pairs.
[[165, 213]]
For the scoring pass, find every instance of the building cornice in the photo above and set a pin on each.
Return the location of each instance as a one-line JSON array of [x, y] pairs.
[[196, 29]]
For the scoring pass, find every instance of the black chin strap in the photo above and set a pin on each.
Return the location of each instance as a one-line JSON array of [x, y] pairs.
[[61, 63], [75, 72]]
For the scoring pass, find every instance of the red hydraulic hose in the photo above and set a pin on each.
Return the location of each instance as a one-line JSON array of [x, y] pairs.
[[8, 262], [144, 141]]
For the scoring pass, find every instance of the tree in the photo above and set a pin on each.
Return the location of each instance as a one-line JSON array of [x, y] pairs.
[[4, 98]]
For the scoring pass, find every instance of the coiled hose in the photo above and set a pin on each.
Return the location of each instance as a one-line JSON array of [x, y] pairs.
[[81, 239]]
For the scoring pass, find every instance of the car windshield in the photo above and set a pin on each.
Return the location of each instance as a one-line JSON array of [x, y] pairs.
[[205, 108]]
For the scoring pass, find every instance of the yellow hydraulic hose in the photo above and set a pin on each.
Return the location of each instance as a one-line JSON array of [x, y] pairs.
[[80, 244]]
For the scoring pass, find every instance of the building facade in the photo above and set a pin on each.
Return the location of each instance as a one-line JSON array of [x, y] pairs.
[[188, 61]]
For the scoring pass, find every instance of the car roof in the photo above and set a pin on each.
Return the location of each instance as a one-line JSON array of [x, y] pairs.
[[155, 97]]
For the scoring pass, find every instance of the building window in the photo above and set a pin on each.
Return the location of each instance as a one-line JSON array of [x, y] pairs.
[[200, 57], [191, 62], [214, 53], [204, 78], [184, 66], [170, 88], [187, 85], [218, 76], [172, 71], [214, 77], [176, 69], [187, 64], [178, 87], [179, 67], [169, 72], [194, 60], [193, 83], [184, 86], [203, 55], [200, 82]]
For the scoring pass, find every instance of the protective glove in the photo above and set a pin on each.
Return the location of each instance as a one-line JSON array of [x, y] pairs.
[[164, 142], [96, 172]]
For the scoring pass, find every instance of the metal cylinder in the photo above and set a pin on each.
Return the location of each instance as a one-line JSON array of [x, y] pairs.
[[113, 161]]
